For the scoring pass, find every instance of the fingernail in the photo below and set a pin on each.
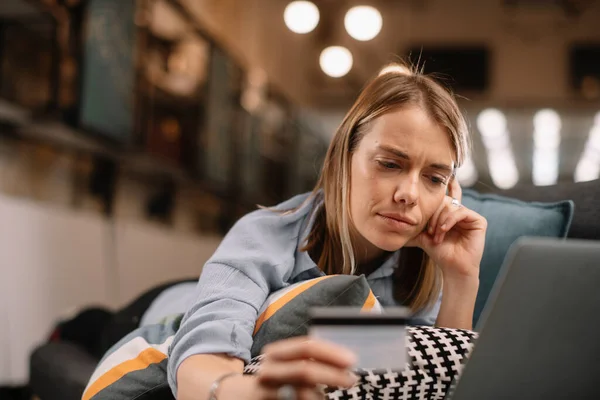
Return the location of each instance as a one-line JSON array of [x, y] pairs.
[[350, 357], [352, 379], [443, 227]]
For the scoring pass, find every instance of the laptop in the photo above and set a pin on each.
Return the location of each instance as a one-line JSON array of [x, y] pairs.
[[540, 329]]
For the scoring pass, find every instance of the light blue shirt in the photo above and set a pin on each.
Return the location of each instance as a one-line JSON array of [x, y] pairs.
[[260, 254]]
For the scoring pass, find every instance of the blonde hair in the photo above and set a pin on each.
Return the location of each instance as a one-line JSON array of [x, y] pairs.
[[417, 281]]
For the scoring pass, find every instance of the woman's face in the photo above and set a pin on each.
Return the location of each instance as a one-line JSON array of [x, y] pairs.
[[399, 173]]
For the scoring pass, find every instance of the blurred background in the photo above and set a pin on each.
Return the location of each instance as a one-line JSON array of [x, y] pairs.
[[134, 133]]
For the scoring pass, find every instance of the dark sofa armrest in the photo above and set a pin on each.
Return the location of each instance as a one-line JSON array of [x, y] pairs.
[[60, 370]]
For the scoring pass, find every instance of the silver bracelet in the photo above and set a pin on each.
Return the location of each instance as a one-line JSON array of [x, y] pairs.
[[212, 393]]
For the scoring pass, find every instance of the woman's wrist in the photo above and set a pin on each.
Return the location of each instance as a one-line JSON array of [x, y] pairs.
[[462, 281], [197, 374], [463, 274], [458, 301], [238, 387]]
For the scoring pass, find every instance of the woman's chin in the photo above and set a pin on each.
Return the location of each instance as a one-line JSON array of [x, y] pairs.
[[391, 244]]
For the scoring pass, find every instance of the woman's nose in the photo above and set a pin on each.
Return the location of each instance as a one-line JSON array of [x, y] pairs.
[[407, 191]]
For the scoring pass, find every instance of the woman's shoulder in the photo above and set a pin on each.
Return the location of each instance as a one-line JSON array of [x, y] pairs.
[[274, 229], [295, 209]]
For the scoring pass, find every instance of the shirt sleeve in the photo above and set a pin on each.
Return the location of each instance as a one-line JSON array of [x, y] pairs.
[[255, 258]]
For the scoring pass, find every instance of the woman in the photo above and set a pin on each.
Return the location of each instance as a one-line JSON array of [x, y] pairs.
[[386, 205]]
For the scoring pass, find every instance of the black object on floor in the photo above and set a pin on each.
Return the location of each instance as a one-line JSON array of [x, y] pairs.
[[15, 393], [61, 368]]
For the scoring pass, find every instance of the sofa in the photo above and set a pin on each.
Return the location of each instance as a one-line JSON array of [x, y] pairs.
[[61, 370]]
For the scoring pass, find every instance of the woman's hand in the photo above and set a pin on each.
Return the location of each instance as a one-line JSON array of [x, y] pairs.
[[299, 367], [454, 238], [304, 365], [454, 241]]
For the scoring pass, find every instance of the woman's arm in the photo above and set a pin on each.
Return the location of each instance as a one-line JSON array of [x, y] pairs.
[[197, 373], [454, 241], [298, 362], [254, 258], [458, 302], [220, 321]]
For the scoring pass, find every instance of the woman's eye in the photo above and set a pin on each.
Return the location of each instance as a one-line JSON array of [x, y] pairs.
[[388, 164], [437, 180]]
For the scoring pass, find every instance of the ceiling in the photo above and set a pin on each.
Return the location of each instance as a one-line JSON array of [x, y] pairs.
[[500, 25], [528, 42]]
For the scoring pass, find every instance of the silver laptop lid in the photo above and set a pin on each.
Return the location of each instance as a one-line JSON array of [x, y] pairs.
[[540, 329]]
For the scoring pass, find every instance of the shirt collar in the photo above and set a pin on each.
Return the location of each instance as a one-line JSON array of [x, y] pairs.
[[387, 268]]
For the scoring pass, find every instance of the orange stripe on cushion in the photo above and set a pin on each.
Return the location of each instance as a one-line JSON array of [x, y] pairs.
[[286, 298], [143, 360], [370, 302]]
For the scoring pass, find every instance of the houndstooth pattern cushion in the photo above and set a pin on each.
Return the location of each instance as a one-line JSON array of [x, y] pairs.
[[436, 356]]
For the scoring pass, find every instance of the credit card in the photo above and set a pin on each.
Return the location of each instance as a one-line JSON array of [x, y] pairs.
[[378, 340]]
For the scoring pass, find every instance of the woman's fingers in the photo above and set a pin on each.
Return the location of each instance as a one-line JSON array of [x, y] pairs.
[[447, 222], [441, 215], [443, 223], [303, 348], [468, 219], [432, 225], [302, 362], [298, 393], [454, 189], [454, 192], [302, 373]]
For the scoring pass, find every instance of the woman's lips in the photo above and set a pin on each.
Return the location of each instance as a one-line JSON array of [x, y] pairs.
[[397, 221]]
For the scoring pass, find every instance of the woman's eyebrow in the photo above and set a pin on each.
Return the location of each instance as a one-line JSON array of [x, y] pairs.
[[394, 151], [400, 154], [442, 167]]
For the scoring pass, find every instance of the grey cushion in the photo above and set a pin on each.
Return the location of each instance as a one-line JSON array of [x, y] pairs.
[[586, 220], [286, 312], [509, 219]]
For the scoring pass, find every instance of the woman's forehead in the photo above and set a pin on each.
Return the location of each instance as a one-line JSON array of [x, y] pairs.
[[411, 131]]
